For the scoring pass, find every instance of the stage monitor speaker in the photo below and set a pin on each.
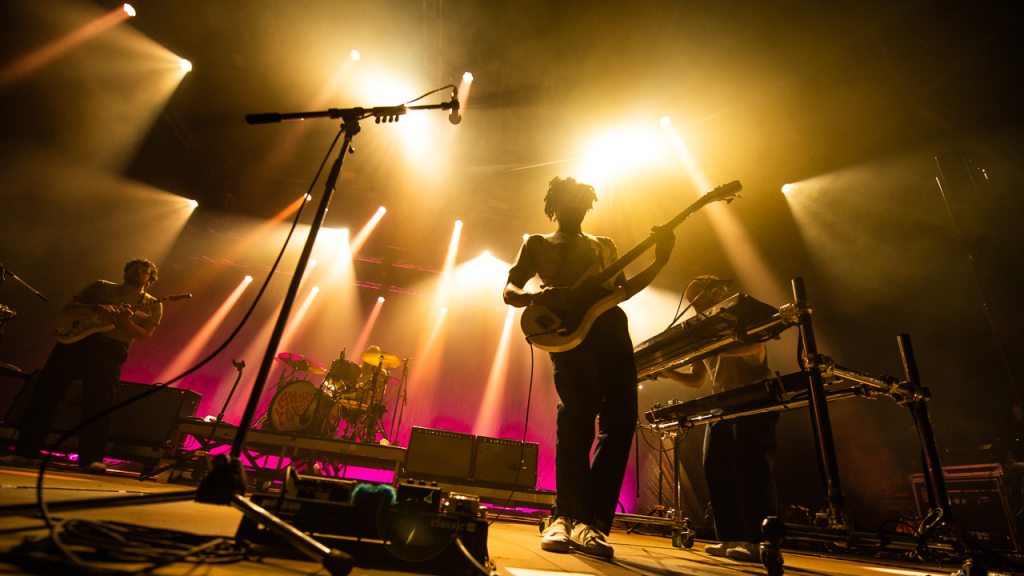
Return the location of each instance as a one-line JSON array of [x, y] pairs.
[[149, 421], [435, 454], [979, 498], [505, 463]]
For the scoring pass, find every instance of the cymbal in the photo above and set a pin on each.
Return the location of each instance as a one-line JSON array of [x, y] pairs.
[[300, 363], [383, 359]]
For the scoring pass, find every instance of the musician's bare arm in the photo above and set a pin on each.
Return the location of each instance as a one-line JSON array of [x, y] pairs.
[[694, 379], [662, 251], [755, 350], [517, 296]]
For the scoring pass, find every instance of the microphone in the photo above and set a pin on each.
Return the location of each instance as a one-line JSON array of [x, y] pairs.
[[454, 117], [239, 364]]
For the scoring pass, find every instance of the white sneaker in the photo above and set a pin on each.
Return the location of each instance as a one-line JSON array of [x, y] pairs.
[[745, 552], [589, 540], [94, 467], [719, 549], [556, 537]]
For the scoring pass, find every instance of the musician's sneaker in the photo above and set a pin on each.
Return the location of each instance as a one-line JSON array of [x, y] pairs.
[[719, 549], [556, 537], [94, 467], [745, 552], [590, 540]]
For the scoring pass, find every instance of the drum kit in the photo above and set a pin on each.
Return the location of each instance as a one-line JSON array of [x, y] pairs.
[[348, 392]]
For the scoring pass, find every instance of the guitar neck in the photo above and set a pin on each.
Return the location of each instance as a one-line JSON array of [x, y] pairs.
[[615, 268]]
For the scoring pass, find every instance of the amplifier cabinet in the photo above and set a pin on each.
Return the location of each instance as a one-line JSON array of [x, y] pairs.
[[444, 455], [979, 498], [149, 421]]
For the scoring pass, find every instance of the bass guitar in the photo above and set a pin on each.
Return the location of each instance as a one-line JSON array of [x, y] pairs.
[[563, 328], [72, 330]]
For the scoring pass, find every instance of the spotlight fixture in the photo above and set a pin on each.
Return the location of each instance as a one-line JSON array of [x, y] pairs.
[[185, 65], [129, 10]]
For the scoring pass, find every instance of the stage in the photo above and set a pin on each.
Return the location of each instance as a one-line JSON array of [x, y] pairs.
[[513, 543]]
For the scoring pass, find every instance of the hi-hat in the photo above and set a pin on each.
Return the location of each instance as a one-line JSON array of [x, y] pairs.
[[383, 359], [300, 363]]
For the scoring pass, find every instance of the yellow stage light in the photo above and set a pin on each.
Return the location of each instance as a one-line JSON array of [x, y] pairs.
[[128, 9]]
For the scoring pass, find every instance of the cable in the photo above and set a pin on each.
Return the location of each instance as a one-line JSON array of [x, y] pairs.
[[465, 552], [80, 541], [522, 444], [434, 91]]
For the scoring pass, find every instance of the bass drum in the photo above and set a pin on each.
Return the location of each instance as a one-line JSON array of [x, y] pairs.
[[299, 406]]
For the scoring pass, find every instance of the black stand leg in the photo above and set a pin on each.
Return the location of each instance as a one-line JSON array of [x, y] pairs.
[[773, 532], [818, 408]]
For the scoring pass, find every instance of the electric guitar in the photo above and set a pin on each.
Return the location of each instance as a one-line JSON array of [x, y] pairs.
[[72, 330], [563, 328]]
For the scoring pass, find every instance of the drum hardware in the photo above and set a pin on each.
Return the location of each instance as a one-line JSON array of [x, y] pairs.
[[299, 363], [381, 359], [343, 375]]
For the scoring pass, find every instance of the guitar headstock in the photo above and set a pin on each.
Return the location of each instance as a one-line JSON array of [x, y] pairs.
[[176, 297], [727, 192]]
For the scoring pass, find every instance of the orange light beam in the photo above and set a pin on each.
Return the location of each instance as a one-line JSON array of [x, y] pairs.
[[444, 282], [191, 352], [487, 419], [48, 52], [296, 320], [371, 321], [428, 367], [361, 237], [465, 86], [740, 248]]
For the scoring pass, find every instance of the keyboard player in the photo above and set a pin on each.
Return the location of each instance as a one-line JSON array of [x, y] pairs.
[[739, 454]]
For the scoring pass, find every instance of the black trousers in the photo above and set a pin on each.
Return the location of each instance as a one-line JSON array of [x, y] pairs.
[[595, 380], [739, 465], [96, 361]]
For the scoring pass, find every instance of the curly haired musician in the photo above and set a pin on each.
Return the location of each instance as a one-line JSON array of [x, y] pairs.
[[738, 454], [594, 379], [106, 324]]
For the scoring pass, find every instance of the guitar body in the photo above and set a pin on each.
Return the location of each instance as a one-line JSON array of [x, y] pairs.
[[72, 330], [561, 329]]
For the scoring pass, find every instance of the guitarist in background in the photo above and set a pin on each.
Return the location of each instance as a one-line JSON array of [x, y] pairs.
[[96, 360], [595, 379]]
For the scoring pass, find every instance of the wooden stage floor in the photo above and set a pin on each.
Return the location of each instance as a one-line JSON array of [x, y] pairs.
[[513, 544]]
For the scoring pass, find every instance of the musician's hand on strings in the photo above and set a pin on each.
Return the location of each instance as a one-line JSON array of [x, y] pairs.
[[552, 296], [666, 242]]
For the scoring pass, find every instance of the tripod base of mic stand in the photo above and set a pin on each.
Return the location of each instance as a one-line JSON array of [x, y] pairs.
[[225, 485]]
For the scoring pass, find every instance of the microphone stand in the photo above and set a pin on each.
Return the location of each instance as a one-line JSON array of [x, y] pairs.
[[4, 273], [239, 365], [225, 484], [403, 386]]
